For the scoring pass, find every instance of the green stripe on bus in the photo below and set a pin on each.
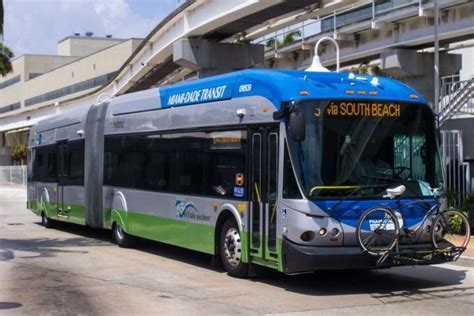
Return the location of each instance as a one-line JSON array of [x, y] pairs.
[[199, 237]]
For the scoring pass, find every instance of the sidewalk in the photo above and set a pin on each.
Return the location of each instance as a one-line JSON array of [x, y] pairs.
[[470, 249]]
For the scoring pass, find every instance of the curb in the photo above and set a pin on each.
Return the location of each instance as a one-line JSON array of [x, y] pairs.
[[465, 262]]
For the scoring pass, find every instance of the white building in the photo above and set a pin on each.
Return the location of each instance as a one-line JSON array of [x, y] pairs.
[[39, 83]]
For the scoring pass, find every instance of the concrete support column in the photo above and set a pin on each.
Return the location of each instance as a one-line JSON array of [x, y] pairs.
[[209, 58], [416, 69]]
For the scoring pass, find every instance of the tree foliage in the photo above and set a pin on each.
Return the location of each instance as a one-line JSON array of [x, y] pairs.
[[366, 69], [288, 38], [5, 64]]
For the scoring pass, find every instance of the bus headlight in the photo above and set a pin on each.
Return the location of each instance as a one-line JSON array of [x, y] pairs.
[[307, 236]]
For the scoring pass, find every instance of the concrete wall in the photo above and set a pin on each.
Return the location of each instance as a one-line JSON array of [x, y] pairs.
[[84, 45], [72, 71], [38, 64], [467, 62]]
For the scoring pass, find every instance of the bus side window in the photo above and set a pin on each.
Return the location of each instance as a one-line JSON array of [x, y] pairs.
[[290, 186], [44, 164], [51, 166], [38, 164], [75, 164], [157, 171], [188, 163], [227, 163]]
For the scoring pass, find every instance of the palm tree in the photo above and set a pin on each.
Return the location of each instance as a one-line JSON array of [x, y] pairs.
[[291, 37], [5, 64], [288, 38]]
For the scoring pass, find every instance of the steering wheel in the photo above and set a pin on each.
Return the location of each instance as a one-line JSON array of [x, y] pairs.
[[397, 171]]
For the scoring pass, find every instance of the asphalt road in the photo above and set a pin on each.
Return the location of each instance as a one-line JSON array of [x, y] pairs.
[[73, 270]]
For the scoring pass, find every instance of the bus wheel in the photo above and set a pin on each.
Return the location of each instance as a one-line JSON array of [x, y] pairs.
[[231, 250], [123, 239], [46, 222]]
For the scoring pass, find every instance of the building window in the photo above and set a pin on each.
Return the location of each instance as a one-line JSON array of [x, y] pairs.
[[10, 82], [10, 107], [33, 75], [80, 86]]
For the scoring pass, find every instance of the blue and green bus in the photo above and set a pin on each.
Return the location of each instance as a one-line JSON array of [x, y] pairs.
[[258, 167]]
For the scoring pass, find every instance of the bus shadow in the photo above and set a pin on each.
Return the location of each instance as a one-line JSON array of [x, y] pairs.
[[175, 253], [103, 237], [40, 247], [31, 248], [100, 235], [386, 285]]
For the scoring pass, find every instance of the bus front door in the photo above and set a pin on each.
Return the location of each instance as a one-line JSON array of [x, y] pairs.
[[61, 159], [264, 176]]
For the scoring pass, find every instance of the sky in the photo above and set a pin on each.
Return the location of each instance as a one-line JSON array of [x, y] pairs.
[[35, 26]]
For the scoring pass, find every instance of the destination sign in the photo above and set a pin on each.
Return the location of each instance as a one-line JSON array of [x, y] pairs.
[[373, 109]]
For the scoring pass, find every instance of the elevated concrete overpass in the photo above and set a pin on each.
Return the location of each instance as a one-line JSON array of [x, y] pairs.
[[246, 21], [210, 19]]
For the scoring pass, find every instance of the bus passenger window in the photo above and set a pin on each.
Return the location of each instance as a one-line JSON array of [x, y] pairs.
[[158, 163], [51, 165], [188, 163], [290, 187], [75, 163], [226, 161]]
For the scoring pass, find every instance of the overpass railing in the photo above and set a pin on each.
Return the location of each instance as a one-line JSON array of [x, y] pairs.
[[13, 175], [369, 10], [457, 97]]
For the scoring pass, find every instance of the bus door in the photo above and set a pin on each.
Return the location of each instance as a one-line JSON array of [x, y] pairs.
[[61, 158], [264, 175]]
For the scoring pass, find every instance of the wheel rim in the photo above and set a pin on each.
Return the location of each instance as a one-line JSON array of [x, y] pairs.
[[377, 232], [232, 247], [451, 230], [119, 231]]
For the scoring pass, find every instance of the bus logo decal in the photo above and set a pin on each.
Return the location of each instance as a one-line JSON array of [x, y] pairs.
[[197, 96], [182, 207]]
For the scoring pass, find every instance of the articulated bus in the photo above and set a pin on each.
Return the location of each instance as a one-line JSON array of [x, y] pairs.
[[258, 167]]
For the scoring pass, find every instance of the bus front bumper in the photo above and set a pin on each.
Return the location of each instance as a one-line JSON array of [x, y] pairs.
[[300, 258]]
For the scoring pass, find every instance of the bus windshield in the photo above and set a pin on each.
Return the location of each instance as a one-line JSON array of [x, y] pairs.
[[361, 148]]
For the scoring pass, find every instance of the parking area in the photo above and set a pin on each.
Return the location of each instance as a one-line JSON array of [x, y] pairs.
[[74, 270]]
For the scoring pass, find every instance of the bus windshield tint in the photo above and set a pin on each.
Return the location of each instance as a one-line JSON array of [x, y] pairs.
[[362, 148]]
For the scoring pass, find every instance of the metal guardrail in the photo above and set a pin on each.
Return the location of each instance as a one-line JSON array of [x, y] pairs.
[[13, 175], [369, 10], [457, 98], [456, 170]]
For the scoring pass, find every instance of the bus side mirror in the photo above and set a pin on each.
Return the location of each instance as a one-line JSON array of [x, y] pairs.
[[278, 115], [297, 126]]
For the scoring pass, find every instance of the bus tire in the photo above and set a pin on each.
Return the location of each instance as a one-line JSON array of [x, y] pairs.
[[231, 250], [122, 239], [47, 222]]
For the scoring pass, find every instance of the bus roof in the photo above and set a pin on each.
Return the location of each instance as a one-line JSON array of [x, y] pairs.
[[286, 85], [274, 85]]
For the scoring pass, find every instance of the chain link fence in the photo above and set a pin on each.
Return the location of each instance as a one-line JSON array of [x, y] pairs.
[[13, 175]]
